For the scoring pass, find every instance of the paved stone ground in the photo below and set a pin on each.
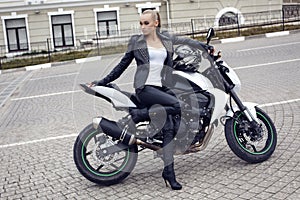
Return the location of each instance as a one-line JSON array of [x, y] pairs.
[[40, 121]]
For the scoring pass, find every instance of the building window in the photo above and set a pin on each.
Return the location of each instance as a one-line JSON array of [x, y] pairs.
[[291, 10], [107, 23], [143, 9], [228, 18], [17, 39], [148, 5], [62, 30]]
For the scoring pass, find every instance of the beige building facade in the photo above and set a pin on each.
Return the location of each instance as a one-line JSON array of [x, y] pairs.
[[67, 23]]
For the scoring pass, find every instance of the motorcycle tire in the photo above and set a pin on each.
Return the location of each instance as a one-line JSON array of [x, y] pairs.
[[103, 170], [243, 145]]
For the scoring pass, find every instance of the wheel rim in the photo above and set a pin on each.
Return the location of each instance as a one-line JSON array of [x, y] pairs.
[[106, 166], [257, 147]]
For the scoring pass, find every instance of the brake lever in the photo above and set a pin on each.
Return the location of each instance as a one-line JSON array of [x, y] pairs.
[[218, 56]]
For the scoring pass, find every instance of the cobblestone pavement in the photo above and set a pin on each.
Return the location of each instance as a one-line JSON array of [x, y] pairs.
[[40, 120]]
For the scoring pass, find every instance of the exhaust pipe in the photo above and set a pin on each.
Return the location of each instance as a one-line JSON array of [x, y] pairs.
[[112, 129]]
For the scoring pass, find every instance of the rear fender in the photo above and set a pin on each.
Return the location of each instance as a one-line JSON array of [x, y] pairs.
[[117, 98]]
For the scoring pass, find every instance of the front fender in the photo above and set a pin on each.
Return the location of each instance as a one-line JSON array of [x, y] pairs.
[[251, 107]]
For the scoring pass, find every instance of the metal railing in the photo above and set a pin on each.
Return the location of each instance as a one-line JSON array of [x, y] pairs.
[[240, 22], [93, 45]]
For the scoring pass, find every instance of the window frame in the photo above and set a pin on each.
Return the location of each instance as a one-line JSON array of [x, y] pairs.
[[147, 5], [107, 24], [61, 12], [63, 29], [5, 33], [107, 9]]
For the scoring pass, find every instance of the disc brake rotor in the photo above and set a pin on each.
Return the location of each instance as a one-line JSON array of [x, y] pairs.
[[99, 153]]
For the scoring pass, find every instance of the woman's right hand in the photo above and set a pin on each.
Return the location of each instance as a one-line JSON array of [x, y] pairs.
[[96, 83], [92, 84]]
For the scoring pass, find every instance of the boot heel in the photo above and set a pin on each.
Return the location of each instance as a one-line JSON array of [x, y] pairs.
[[166, 182], [170, 180]]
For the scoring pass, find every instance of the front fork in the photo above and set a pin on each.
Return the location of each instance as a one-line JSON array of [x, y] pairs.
[[248, 109]]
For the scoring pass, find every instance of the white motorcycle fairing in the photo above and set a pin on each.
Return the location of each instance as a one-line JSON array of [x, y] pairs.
[[233, 77], [197, 78], [117, 98], [205, 84], [221, 98]]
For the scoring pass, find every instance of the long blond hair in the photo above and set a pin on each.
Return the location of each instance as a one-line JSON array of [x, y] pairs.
[[155, 16]]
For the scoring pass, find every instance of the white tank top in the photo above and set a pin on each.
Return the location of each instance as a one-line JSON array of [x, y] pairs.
[[157, 58]]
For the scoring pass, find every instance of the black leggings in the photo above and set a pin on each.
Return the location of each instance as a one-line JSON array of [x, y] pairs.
[[152, 95]]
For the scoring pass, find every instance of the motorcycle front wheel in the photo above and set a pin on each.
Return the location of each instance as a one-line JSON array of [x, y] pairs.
[[98, 167], [253, 145]]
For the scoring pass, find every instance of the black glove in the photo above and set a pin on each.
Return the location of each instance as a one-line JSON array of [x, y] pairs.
[[210, 49]]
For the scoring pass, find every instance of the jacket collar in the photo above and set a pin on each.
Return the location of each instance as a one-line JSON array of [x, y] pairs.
[[141, 38], [141, 41], [166, 42], [141, 45]]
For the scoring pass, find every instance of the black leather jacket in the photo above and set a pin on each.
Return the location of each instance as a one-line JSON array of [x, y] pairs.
[[137, 49]]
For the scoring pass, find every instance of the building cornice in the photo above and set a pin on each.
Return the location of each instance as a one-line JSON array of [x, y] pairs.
[[67, 4]]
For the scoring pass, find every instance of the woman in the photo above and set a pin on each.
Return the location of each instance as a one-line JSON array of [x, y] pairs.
[[153, 53]]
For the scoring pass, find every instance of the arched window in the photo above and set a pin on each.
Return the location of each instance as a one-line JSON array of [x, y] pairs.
[[228, 18]]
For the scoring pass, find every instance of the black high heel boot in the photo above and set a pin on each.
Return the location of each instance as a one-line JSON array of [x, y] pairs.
[[169, 176], [168, 173]]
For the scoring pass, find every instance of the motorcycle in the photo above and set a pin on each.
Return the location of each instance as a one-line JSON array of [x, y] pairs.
[[106, 151]]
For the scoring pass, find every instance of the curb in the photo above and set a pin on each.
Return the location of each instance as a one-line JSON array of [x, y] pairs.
[[96, 58], [276, 34], [49, 65], [266, 35], [230, 40], [82, 60], [12, 70], [35, 67]]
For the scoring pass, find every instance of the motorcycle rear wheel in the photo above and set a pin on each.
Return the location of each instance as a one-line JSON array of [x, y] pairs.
[[246, 146], [103, 170]]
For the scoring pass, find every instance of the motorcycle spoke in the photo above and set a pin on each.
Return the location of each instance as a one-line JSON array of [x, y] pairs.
[[88, 153], [95, 139], [120, 159], [243, 141], [114, 166], [99, 167], [254, 148]]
